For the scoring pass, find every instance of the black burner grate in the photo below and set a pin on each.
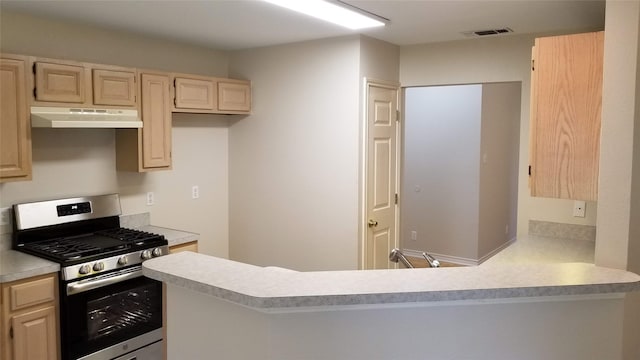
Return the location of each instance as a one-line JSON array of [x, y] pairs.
[[128, 235]]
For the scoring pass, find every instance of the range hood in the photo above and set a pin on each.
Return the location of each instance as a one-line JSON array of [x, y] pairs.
[[57, 117]]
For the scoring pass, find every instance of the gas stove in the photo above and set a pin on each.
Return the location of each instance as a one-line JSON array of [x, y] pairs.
[[83, 235]]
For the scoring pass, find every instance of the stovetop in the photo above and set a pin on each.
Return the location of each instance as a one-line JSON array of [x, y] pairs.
[[100, 244]]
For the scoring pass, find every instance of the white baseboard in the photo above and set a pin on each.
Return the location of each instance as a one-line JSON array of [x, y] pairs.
[[457, 259]]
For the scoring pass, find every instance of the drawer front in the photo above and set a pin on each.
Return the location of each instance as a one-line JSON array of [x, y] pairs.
[[32, 293]]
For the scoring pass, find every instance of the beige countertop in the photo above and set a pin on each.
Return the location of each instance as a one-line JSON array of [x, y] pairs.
[[544, 250], [271, 289], [15, 265]]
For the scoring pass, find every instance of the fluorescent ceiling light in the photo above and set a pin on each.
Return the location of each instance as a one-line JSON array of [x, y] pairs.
[[330, 12]]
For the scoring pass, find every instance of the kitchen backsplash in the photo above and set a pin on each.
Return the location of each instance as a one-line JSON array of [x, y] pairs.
[[135, 220], [562, 231]]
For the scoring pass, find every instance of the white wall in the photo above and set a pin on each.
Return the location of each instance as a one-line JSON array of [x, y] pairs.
[[498, 59], [554, 329], [618, 236], [499, 149], [74, 162], [459, 177], [294, 164], [441, 169]]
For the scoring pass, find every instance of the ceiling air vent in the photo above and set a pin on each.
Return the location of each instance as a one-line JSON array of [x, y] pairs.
[[488, 32]]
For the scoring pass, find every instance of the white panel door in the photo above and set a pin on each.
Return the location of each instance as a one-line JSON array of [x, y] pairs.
[[381, 172]]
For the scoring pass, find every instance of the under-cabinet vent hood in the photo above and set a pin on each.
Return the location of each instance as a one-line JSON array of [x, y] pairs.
[[55, 117]]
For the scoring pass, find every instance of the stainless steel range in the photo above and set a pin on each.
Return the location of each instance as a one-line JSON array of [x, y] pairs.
[[108, 310]]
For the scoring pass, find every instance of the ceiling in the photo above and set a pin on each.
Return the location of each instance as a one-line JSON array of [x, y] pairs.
[[240, 24]]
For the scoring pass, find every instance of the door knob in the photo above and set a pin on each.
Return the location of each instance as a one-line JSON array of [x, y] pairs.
[[372, 223]]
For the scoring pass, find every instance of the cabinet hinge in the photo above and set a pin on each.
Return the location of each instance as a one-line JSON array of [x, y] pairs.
[[33, 68], [396, 199], [397, 115], [529, 170], [11, 332], [533, 64]]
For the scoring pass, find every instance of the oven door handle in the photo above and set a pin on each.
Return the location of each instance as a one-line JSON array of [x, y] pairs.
[[95, 283]]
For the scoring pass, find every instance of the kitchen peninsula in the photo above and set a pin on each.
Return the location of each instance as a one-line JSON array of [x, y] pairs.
[[497, 311]]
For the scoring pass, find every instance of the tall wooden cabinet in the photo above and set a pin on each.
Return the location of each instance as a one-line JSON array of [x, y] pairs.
[[29, 319], [15, 127], [566, 105], [148, 148]]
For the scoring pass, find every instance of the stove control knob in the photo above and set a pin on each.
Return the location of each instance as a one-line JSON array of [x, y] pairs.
[[157, 252], [122, 260], [99, 266], [84, 269], [146, 255]]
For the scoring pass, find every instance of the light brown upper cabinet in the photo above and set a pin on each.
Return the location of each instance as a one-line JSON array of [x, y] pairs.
[[148, 148], [210, 95], [234, 96], [117, 88], [69, 83], [15, 128], [193, 93], [59, 83], [566, 106]]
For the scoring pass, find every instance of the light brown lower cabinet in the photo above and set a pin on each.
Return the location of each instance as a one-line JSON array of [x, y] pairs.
[[190, 246], [30, 319]]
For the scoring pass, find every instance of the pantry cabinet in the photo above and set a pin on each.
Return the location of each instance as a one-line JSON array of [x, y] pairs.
[[566, 105], [30, 319], [68, 83], [15, 128], [148, 148]]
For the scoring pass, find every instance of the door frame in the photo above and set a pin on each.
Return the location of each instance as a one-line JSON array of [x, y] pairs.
[[364, 157]]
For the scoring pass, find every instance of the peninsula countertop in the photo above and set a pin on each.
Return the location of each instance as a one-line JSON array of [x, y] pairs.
[[275, 289]]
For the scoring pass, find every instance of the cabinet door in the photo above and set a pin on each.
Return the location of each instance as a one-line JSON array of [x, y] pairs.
[[156, 119], [15, 131], [565, 116], [190, 246], [59, 83], [34, 335], [234, 96], [116, 88], [196, 94]]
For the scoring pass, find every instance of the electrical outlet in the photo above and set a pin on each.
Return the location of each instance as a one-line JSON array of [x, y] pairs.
[[414, 235], [150, 199], [579, 208], [195, 192], [5, 216]]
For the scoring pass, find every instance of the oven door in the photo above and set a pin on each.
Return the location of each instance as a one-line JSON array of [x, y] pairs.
[[110, 315]]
